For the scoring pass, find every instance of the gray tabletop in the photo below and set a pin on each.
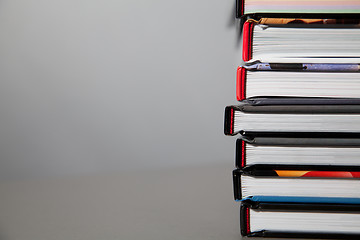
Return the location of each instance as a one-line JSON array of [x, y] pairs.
[[183, 203]]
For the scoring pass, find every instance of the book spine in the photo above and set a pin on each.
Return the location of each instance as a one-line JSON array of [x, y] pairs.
[[229, 121], [237, 184], [244, 219], [239, 8], [240, 83], [240, 155], [247, 40]]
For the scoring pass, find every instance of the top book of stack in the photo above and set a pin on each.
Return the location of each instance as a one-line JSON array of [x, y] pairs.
[[257, 9]]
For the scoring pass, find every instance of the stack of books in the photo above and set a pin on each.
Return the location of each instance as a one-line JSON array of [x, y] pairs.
[[298, 119]]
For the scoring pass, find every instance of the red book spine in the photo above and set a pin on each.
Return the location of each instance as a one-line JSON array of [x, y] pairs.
[[240, 83], [243, 161], [247, 40]]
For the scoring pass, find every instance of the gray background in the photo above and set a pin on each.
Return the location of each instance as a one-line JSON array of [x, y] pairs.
[[111, 119], [90, 86]]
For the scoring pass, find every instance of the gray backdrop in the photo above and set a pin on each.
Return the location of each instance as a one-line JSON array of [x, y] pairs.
[[90, 86]]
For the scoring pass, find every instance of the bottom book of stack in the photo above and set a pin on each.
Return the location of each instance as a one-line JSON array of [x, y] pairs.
[[300, 217]]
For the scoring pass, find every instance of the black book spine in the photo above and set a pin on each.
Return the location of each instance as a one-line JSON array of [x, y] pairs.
[[240, 154], [229, 121], [239, 8], [244, 219], [237, 184]]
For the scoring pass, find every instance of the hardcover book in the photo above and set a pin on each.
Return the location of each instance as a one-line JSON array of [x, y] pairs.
[[300, 217], [301, 43], [297, 149], [298, 79], [297, 181], [271, 114]]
